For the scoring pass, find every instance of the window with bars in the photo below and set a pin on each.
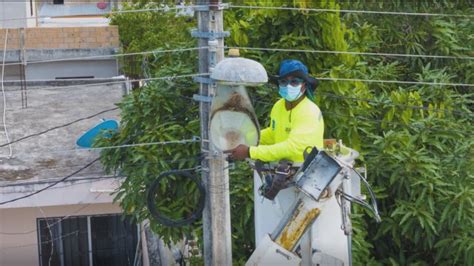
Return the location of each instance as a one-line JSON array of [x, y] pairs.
[[88, 241]]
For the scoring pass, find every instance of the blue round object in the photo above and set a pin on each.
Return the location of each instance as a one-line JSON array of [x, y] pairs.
[[87, 140]]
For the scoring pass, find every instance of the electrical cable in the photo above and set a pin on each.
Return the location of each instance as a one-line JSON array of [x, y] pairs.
[[166, 9], [128, 165], [400, 82], [405, 106], [59, 220], [380, 121], [351, 53], [78, 181], [111, 55], [112, 82], [183, 141], [52, 180], [56, 239], [157, 51], [59, 126], [53, 184], [205, 74], [357, 201], [4, 116], [50, 235], [43, 242], [395, 104], [396, 13], [158, 216], [136, 258], [372, 195], [194, 139]]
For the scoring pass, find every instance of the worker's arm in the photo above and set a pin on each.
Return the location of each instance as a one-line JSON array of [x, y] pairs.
[[266, 136], [305, 133]]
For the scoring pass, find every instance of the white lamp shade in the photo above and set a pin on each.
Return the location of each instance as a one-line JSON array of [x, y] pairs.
[[228, 129]]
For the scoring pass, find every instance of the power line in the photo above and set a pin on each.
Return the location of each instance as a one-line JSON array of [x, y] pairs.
[[371, 80], [320, 78], [128, 165], [182, 141], [153, 52], [56, 239], [4, 116], [100, 15], [395, 104], [379, 121], [57, 127], [353, 53], [166, 9], [397, 13], [410, 126], [60, 220], [76, 181], [206, 74], [401, 82], [66, 185], [196, 139], [405, 106], [112, 82], [110, 55], [43, 242], [53, 184]]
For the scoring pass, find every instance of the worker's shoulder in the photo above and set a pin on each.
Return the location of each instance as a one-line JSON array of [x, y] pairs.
[[279, 104], [309, 107]]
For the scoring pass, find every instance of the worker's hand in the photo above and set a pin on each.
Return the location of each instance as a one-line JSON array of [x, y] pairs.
[[240, 152]]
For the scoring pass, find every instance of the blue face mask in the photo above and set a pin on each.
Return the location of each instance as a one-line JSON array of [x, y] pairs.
[[290, 93]]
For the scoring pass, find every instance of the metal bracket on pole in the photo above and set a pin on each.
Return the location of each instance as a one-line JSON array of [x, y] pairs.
[[209, 35], [202, 98], [203, 80], [231, 166], [221, 6]]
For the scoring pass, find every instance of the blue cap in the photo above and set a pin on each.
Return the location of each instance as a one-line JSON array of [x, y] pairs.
[[291, 66], [297, 69]]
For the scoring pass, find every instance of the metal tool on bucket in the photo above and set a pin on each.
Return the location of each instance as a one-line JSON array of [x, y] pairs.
[[323, 183]]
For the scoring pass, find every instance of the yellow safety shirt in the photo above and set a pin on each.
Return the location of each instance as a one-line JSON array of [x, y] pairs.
[[290, 132]]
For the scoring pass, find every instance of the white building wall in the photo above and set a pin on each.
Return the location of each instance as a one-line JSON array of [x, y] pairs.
[[18, 235], [22, 249], [18, 10], [32, 12], [96, 69]]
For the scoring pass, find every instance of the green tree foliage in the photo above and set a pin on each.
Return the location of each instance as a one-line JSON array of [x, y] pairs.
[[420, 154], [416, 140], [160, 111]]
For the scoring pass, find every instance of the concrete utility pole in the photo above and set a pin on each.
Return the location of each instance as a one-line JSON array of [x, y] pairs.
[[216, 216]]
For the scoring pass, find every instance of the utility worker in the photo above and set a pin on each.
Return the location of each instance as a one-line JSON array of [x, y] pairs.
[[296, 121], [296, 124]]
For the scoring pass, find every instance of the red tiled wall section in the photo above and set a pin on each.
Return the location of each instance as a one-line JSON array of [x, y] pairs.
[[63, 38]]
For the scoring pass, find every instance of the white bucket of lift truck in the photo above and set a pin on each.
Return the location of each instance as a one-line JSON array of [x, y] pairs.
[[233, 119]]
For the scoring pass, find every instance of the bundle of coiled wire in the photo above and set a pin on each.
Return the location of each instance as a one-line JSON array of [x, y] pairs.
[[152, 200]]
